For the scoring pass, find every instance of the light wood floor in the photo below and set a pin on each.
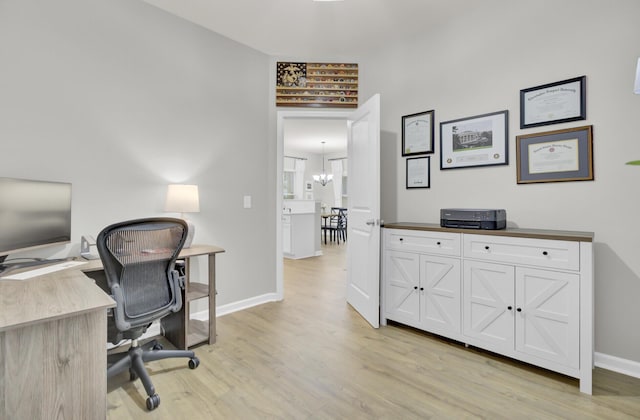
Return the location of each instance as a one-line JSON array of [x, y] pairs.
[[312, 356]]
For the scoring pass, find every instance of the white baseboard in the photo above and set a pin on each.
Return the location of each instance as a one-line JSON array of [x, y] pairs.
[[616, 364], [245, 304]]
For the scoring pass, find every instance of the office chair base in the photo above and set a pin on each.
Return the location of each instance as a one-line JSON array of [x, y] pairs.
[[134, 360]]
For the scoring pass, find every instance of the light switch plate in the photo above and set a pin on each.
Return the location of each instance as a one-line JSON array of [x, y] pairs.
[[247, 201]]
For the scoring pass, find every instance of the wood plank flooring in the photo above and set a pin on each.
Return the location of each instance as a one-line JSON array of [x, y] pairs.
[[312, 356]]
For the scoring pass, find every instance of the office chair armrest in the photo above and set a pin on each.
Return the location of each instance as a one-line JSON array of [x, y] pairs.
[[116, 293], [177, 285], [181, 280]]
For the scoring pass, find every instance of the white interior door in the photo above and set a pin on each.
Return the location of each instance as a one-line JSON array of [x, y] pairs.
[[363, 246]]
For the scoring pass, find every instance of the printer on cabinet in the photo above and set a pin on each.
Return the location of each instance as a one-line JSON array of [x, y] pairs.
[[489, 219]]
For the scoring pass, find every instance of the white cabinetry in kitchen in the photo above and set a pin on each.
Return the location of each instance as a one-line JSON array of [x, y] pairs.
[[300, 229]]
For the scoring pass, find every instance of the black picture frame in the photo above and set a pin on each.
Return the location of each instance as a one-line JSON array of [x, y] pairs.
[[418, 172], [554, 103], [417, 133], [555, 156], [481, 140]]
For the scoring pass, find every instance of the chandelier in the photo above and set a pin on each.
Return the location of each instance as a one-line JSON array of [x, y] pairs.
[[324, 178]]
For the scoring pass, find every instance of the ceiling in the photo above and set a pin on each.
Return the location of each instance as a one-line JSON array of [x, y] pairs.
[[306, 28], [305, 135]]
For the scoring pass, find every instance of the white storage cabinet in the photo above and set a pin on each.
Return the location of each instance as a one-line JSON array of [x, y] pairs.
[[523, 294]]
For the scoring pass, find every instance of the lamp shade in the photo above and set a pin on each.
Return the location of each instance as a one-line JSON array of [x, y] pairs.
[[636, 88], [182, 199]]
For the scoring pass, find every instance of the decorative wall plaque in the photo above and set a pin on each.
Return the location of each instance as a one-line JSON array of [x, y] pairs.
[[321, 85]]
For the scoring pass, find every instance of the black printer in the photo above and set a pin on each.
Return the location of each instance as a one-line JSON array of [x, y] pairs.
[[489, 219]]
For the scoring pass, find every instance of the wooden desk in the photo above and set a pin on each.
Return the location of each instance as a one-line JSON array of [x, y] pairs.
[[53, 331], [53, 354]]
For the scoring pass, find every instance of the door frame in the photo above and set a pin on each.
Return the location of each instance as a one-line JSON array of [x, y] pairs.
[[281, 118]]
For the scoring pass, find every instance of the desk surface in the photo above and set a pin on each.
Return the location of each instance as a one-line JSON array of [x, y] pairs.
[[61, 294]]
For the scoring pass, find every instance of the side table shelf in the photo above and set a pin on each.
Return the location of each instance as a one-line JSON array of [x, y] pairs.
[[179, 328], [197, 330]]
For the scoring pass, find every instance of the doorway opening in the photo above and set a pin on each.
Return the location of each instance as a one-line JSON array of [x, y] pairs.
[[296, 120]]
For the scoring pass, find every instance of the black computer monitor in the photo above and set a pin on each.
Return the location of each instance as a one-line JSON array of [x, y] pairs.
[[33, 214]]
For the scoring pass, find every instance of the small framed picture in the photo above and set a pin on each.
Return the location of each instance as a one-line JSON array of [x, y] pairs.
[[308, 185], [417, 133], [419, 172], [475, 141], [554, 156], [553, 103]]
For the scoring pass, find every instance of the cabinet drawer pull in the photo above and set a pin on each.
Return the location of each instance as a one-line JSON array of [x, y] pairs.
[[486, 247], [438, 243], [545, 253], [519, 309], [510, 308], [401, 239]]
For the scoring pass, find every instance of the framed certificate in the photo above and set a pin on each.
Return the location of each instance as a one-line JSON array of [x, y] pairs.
[[561, 155], [417, 133], [553, 103], [475, 141], [419, 172]]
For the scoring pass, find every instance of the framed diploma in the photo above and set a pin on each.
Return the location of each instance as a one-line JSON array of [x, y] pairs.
[[561, 155], [553, 103], [418, 172], [417, 133], [475, 141]]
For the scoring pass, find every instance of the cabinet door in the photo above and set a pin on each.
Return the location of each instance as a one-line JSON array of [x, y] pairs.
[[401, 282], [488, 295], [440, 294], [548, 315], [286, 234]]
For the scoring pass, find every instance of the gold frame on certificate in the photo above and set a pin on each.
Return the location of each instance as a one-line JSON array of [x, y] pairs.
[[555, 156], [417, 133]]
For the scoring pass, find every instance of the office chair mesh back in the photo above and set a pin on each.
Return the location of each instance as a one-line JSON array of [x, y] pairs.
[[139, 259], [145, 289]]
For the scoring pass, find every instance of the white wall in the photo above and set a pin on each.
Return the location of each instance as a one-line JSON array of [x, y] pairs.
[[120, 99], [477, 64]]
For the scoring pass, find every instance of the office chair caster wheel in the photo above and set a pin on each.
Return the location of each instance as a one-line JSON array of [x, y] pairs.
[[194, 363], [157, 346], [153, 402]]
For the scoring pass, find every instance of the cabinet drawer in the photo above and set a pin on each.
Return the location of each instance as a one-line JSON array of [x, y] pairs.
[[538, 252], [440, 243]]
